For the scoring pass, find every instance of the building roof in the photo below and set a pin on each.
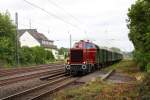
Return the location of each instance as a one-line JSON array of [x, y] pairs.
[[38, 36]]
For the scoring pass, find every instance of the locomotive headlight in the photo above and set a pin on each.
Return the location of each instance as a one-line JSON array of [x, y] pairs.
[[84, 62], [68, 67], [83, 66]]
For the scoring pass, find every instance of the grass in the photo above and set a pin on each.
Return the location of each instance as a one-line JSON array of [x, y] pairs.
[[101, 90], [8, 66], [98, 90], [85, 92], [127, 66]]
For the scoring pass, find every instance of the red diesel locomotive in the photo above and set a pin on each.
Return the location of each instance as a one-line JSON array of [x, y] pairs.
[[86, 57]]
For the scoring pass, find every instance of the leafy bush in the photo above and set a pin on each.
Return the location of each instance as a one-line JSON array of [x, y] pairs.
[[49, 55], [26, 55], [148, 67], [143, 59], [35, 55]]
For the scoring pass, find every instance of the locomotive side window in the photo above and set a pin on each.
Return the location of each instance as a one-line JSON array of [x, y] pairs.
[[78, 45]]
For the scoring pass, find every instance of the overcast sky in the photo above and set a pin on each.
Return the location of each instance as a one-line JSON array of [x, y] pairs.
[[100, 21]]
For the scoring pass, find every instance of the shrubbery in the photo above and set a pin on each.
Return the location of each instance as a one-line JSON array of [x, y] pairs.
[[143, 59], [148, 67], [35, 55]]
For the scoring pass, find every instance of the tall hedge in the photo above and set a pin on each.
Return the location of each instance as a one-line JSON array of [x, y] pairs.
[[35, 55], [139, 26]]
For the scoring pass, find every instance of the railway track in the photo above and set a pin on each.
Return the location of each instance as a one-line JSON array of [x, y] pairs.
[[8, 72], [11, 80], [38, 92]]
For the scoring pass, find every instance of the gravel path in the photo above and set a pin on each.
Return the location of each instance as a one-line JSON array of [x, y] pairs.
[[121, 78]]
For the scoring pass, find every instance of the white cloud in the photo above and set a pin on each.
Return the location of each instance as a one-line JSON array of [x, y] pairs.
[[104, 20]]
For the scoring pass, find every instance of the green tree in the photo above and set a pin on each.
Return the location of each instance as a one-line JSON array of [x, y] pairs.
[[139, 26], [63, 51], [7, 39]]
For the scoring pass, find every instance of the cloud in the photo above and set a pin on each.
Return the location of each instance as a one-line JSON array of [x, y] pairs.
[[103, 20]]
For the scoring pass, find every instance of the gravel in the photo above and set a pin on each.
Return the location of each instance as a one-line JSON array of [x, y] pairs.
[[19, 86]]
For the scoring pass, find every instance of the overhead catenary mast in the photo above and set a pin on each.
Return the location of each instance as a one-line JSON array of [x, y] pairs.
[[17, 41], [70, 38]]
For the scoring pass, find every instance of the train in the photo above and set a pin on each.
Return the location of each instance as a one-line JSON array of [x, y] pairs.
[[86, 57]]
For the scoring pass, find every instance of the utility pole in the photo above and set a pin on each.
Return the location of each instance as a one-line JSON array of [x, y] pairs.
[[48, 31], [17, 46], [70, 40], [30, 23]]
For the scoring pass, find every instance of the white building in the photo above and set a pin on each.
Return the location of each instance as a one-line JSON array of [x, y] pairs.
[[32, 38]]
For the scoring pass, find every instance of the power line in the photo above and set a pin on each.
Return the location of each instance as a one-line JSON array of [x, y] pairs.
[[58, 6], [51, 14]]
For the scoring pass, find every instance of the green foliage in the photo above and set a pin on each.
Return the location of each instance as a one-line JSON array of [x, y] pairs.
[[40, 55], [35, 55], [148, 67], [7, 39], [49, 55], [26, 55], [139, 25], [7, 29], [63, 51], [143, 58]]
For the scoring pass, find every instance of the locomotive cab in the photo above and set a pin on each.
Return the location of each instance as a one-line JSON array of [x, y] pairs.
[[81, 58]]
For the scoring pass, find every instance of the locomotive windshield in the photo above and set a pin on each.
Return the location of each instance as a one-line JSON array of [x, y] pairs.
[[85, 45], [89, 45]]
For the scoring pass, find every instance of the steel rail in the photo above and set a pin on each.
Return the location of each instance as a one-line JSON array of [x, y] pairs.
[[29, 76], [38, 97], [37, 88], [24, 70]]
